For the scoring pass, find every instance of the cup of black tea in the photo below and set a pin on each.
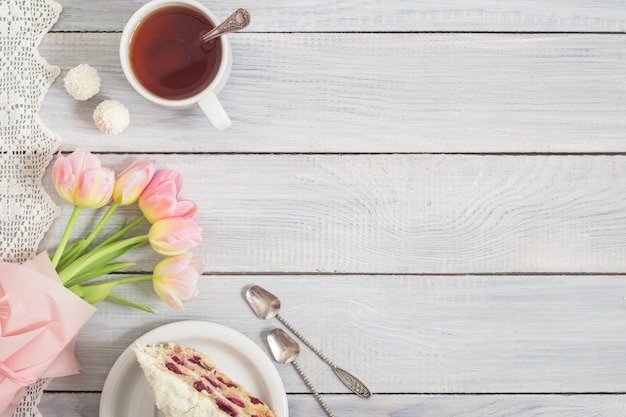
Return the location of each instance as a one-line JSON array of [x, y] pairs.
[[164, 60]]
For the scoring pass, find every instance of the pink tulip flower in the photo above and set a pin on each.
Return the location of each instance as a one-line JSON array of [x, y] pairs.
[[174, 236], [160, 198], [80, 179], [132, 181], [175, 279]]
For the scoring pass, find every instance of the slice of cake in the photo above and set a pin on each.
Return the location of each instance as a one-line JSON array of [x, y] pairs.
[[186, 383]]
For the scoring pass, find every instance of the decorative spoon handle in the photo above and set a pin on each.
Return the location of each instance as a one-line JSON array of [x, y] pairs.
[[307, 382], [346, 377], [236, 21], [352, 382]]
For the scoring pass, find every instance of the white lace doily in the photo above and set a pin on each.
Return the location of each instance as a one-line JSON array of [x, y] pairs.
[[26, 145], [28, 406]]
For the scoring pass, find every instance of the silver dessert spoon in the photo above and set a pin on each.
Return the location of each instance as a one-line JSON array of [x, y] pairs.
[[266, 305], [286, 350]]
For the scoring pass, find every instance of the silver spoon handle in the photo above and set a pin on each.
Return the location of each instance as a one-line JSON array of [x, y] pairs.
[[352, 382], [346, 377], [307, 382], [305, 341], [236, 21]]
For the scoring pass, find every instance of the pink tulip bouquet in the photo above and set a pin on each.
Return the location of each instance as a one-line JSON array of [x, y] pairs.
[[45, 302], [81, 180]]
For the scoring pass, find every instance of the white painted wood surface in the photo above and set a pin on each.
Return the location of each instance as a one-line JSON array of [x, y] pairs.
[[411, 405], [435, 190], [311, 92], [406, 334], [399, 213], [376, 16]]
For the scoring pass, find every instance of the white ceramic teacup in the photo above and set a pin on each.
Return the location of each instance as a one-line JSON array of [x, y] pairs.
[[207, 98]]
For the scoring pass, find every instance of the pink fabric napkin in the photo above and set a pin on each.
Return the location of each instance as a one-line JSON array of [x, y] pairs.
[[39, 322]]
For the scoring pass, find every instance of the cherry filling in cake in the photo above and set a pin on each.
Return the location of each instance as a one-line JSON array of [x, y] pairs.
[[186, 382]]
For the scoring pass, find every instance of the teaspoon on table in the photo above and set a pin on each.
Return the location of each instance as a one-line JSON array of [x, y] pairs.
[[286, 350], [266, 305]]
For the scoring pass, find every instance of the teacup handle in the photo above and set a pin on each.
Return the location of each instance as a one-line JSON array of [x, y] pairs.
[[213, 109]]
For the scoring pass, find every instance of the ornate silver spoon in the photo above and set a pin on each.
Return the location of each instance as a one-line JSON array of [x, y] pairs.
[[266, 305], [286, 350], [238, 20], [173, 54]]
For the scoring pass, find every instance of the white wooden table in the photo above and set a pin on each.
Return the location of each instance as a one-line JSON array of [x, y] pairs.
[[435, 189]]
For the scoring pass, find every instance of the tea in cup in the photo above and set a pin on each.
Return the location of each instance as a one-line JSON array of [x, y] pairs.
[[165, 61]]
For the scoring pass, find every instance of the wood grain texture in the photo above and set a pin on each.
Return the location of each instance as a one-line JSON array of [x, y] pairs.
[[397, 213], [58, 405], [370, 93], [384, 176], [376, 16], [405, 334]]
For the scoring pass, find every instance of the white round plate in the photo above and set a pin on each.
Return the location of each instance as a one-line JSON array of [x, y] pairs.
[[126, 392]]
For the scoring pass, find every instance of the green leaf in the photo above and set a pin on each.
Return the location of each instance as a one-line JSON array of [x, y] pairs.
[[98, 272], [97, 258], [129, 304], [122, 231], [93, 294]]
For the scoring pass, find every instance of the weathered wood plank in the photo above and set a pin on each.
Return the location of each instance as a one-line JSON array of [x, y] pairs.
[[86, 405], [405, 334], [350, 242], [372, 15], [397, 213], [370, 93]]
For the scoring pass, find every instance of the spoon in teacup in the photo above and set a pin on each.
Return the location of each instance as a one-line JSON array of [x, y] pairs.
[[167, 57], [266, 305], [286, 350], [238, 20]]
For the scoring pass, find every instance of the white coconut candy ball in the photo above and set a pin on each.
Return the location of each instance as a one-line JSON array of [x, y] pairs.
[[111, 117], [82, 82]]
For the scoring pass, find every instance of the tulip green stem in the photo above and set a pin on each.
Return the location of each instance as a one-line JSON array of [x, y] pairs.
[[138, 278], [66, 236], [122, 231], [80, 248], [95, 257]]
